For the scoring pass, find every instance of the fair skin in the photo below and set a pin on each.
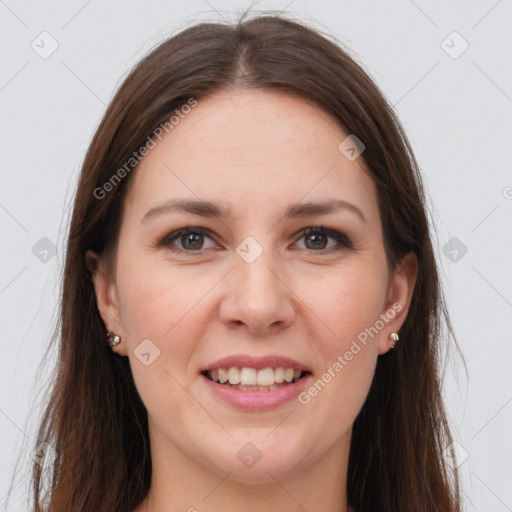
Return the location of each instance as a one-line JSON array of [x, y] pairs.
[[255, 152]]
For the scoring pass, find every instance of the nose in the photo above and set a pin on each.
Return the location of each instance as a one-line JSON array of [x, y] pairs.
[[257, 298]]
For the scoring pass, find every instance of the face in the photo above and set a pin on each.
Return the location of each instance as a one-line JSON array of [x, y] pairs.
[[250, 242]]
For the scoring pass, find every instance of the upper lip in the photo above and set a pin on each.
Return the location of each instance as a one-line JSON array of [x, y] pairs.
[[270, 361]]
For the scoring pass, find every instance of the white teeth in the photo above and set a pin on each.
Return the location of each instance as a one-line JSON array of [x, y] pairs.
[[279, 375], [251, 379], [248, 376], [288, 374], [265, 377], [234, 376]]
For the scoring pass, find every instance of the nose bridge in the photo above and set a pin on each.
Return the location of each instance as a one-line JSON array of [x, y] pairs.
[[253, 265], [256, 276], [258, 297]]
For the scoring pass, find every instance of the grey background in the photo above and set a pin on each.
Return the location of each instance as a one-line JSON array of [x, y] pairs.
[[455, 107]]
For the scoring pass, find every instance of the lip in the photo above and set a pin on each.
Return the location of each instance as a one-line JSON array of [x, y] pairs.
[[258, 363], [257, 400]]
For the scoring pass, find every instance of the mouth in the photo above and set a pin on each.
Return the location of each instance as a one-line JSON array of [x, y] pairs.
[[246, 378], [249, 383]]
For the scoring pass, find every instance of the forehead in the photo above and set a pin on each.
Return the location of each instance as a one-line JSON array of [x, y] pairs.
[[246, 147]]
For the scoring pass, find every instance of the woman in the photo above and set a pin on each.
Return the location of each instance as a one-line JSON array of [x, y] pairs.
[[251, 312]]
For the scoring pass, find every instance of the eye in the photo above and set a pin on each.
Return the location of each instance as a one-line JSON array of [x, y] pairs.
[[187, 239], [317, 239]]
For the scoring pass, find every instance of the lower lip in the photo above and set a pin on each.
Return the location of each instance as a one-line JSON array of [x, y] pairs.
[[256, 400]]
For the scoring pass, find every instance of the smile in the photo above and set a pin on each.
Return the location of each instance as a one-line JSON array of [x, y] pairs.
[[252, 379]]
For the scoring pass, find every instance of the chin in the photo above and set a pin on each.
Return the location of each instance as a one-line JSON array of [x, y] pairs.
[[256, 460]]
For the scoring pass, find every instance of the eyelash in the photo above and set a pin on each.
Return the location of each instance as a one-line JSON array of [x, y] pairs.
[[340, 238]]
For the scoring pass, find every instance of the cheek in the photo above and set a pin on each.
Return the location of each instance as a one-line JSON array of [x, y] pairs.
[[159, 305], [149, 302], [349, 302], [156, 299], [349, 349]]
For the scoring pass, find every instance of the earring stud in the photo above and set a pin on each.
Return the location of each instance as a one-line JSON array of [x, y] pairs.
[[394, 337], [113, 339]]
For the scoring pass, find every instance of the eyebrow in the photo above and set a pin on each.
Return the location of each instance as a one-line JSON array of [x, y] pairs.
[[215, 210]]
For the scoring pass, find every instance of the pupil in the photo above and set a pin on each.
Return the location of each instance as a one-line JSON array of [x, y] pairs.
[[315, 243], [191, 241]]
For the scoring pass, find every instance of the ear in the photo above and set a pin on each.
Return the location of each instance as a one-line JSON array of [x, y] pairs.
[[106, 298], [398, 300]]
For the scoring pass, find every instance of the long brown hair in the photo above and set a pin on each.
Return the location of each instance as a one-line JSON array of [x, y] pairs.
[[95, 419]]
